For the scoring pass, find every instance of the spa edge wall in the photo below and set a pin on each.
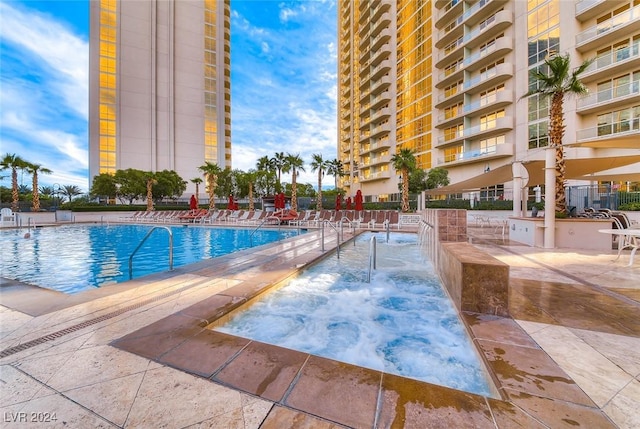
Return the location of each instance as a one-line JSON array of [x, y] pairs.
[[476, 281]]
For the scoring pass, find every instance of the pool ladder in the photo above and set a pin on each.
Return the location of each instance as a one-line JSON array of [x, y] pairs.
[[145, 239], [372, 257]]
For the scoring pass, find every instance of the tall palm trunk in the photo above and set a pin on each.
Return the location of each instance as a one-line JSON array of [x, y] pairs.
[[319, 202], [35, 206], [15, 195], [294, 191], [405, 190], [556, 132], [149, 195], [212, 182], [251, 207]]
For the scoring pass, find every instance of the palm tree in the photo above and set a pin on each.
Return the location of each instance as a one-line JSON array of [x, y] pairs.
[[211, 172], [320, 165], [266, 165], [150, 179], [34, 169], [197, 182], [335, 169], [70, 191], [404, 161], [251, 178], [560, 80], [14, 163], [279, 162], [295, 164]]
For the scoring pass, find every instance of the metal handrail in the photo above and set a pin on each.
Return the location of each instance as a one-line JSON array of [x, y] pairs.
[[372, 257], [270, 217], [145, 239], [337, 236]]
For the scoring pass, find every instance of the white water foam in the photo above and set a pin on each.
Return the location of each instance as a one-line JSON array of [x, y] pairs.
[[401, 323]]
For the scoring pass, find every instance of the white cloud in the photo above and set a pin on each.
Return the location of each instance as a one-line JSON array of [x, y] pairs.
[[45, 81]]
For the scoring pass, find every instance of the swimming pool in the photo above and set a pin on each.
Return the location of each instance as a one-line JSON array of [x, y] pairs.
[[73, 258], [402, 322]]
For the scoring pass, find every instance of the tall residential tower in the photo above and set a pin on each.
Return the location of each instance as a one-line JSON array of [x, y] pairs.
[[445, 78], [160, 93]]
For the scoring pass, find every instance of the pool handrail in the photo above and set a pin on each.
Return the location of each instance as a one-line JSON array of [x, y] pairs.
[[372, 257], [328, 222], [268, 217], [145, 239]]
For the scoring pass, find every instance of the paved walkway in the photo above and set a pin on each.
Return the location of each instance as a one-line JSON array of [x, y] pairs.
[[134, 355]]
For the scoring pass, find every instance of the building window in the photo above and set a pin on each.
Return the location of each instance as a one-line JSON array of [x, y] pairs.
[[539, 134], [107, 81], [490, 145], [489, 121], [619, 121], [490, 96], [452, 154]]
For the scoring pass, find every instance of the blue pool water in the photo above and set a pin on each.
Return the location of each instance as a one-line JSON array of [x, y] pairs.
[[402, 323], [76, 258]]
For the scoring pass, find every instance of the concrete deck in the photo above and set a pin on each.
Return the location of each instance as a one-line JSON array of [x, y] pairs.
[[139, 354]]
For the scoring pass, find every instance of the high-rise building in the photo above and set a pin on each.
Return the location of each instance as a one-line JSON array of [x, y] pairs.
[[445, 78], [160, 92]]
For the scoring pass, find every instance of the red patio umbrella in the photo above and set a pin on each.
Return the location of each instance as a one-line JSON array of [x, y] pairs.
[[193, 204], [348, 203], [232, 204], [359, 200], [338, 202]]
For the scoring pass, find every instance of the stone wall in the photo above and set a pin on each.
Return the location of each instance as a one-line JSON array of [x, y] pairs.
[[476, 281]]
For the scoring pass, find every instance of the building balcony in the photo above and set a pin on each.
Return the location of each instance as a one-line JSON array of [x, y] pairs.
[[382, 53], [345, 148], [380, 84], [367, 162], [380, 114], [613, 64], [488, 79], [364, 122], [383, 22], [588, 9], [447, 12], [381, 38], [450, 76], [345, 114], [378, 10], [623, 130], [609, 99], [364, 6], [481, 11], [480, 59], [477, 108], [380, 130], [502, 125], [450, 53], [446, 37], [607, 32], [472, 156], [448, 99], [380, 99], [363, 137], [364, 109], [378, 175], [381, 69], [501, 21], [364, 83]]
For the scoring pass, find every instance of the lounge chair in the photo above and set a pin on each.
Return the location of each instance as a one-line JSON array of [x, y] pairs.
[[8, 217]]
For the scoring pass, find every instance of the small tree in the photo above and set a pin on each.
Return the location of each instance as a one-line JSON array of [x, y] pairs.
[[404, 161], [295, 164], [14, 163], [320, 165], [34, 169], [197, 181], [211, 172]]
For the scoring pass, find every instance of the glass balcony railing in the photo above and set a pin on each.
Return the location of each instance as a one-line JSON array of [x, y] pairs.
[[605, 60], [611, 94], [583, 5], [613, 129], [608, 25]]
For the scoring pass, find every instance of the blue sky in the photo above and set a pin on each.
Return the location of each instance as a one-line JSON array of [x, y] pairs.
[[283, 65]]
